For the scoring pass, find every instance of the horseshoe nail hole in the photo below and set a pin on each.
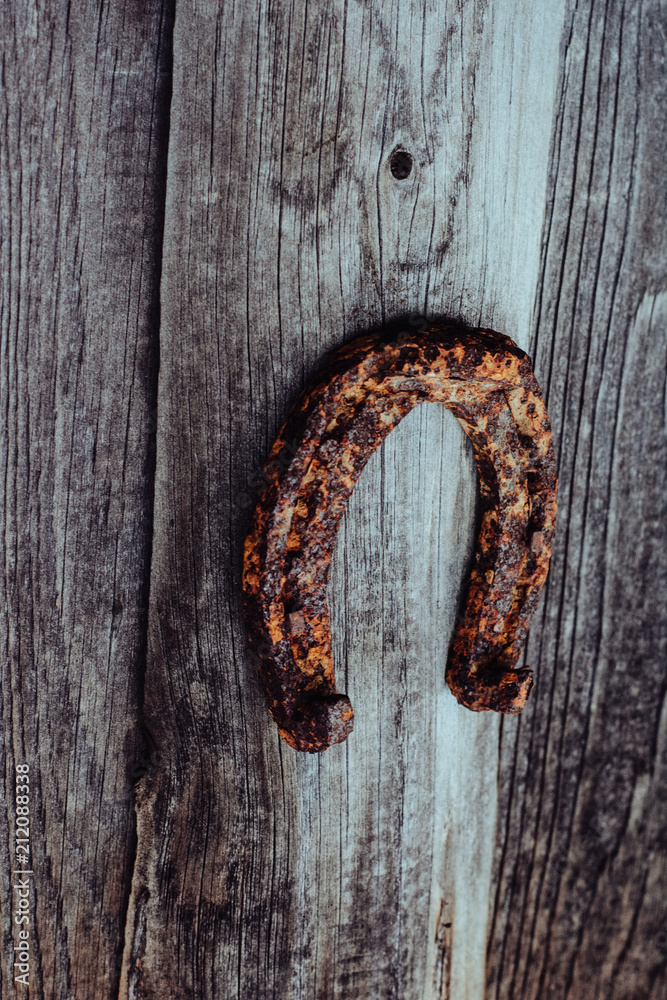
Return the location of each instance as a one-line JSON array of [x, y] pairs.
[[400, 164]]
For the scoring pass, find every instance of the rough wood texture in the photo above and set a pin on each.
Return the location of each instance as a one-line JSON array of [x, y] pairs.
[[82, 126], [365, 874], [392, 866], [580, 905]]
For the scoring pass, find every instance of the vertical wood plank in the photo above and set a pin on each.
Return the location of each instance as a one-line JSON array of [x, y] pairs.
[[363, 872], [580, 907], [83, 115]]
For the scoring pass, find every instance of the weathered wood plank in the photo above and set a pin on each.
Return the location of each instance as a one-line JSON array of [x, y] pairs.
[[364, 872], [83, 111], [580, 905]]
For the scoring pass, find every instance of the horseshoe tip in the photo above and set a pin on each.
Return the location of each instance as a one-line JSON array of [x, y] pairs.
[[320, 723], [491, 691]]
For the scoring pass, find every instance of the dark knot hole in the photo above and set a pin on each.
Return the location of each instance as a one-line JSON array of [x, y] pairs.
[[400, 164]]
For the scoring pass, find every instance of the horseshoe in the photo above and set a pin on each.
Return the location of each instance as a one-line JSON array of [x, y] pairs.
[[365, 390]]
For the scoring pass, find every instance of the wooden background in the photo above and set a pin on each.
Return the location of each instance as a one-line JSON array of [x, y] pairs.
[[195, 206]]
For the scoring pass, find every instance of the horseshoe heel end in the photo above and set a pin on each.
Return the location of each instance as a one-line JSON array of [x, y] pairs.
[[318, 723], [489, 690]]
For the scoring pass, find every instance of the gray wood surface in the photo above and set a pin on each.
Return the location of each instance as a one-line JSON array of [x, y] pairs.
[[437, 854], [580, 904], [364, 872], [82, 150]]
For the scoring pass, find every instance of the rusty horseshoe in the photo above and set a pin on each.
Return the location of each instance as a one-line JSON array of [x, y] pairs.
[[365, 390]]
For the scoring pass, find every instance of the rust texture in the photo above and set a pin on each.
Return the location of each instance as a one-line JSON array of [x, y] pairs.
[[365, 390]]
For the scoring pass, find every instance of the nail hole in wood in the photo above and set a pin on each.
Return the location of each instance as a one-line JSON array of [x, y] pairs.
[[400, 164]]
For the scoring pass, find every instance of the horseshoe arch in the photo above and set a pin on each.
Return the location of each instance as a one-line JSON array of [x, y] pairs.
[[365, 390]]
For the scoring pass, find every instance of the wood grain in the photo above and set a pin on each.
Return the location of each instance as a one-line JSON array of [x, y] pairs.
[[83, 113], [261, 873], [580, 908], [437, 855]]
